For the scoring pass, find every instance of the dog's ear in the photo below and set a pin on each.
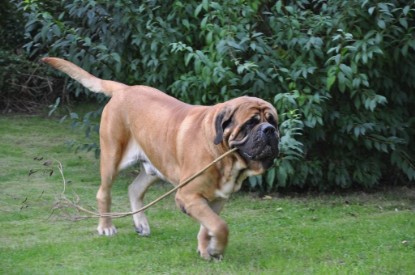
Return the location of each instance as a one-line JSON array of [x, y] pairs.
[[222, 121]]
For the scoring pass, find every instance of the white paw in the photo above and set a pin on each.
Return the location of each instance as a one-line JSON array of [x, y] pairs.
[[107, 231], [143, 229]]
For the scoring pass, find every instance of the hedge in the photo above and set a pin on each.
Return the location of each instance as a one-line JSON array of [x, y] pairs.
[[341, 73]]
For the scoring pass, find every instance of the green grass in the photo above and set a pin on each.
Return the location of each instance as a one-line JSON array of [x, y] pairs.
[[356, 233]]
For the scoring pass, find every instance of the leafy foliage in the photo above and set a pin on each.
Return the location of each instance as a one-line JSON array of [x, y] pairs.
[[24, 86], [340, 72], [11, 26]]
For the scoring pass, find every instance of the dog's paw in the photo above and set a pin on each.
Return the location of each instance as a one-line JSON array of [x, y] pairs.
[[215, 255], [209, 256], [204, 254], [107, 231], [217, 258], [142, 229]]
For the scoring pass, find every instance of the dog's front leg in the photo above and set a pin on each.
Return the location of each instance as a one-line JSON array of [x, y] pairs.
[[213, 234], [203, 240], [203, 237]]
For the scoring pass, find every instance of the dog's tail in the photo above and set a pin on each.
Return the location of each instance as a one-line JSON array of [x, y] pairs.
[[89, 81]]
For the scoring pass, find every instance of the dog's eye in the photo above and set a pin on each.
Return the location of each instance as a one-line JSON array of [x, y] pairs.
[[248, 126], [272, 121], [254, 120]]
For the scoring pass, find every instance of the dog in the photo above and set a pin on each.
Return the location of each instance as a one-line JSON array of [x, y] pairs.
[[173, 140]]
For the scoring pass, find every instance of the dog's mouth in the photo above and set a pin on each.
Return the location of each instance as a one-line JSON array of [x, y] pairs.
[[260, 145]]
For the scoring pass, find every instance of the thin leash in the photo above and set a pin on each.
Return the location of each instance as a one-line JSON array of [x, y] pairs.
[[93, 214]]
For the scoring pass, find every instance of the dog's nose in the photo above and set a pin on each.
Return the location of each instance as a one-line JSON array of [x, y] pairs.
[[267, 129]]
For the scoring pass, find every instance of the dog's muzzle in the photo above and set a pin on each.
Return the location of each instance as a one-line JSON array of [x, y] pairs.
[[261, 144]]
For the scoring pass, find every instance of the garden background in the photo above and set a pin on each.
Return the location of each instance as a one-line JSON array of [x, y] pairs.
[[340, 73]]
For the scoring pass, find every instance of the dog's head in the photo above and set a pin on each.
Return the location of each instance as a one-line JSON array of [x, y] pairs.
[[249, 124]]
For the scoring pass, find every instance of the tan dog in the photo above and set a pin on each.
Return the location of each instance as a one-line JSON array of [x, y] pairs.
[[173, 140]]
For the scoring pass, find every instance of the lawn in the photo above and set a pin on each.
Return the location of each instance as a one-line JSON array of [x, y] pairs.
[[351, 233]]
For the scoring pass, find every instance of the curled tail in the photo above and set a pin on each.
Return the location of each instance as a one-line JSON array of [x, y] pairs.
[[89, 81]]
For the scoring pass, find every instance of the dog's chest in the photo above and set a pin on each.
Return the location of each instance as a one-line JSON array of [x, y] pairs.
[[232, 182]]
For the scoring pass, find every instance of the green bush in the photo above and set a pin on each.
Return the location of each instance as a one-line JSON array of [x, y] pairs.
[[341, 73], [11, 26], [23, 84]]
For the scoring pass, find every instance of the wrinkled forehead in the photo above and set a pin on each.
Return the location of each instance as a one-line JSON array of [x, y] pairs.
[[256, 106]]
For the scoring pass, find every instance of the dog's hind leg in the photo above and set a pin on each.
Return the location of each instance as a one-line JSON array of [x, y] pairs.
[[136, 192], [108, 175], [105, 226], [111, 154]]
